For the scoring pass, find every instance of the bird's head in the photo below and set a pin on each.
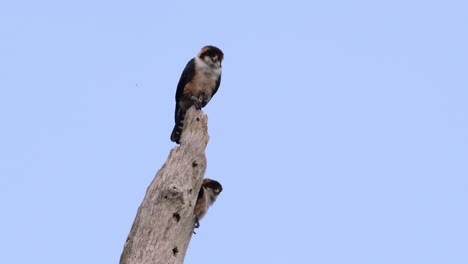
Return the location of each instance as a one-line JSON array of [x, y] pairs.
[[212, 56], [212, 185]]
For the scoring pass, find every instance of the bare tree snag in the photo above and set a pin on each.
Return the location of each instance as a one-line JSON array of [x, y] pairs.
[[164, 223]]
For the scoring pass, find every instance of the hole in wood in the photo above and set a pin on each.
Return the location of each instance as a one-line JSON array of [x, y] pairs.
[[175, 251], [198, 119], [176, 217], [194, 164]]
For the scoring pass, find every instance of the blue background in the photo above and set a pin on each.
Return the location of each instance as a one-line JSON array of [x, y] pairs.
[[339, 133]]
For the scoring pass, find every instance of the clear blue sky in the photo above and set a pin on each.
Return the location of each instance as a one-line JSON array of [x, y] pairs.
[[339, 133]]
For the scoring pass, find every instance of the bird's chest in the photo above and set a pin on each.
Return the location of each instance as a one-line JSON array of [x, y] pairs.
[[207, 80], [203, 82]]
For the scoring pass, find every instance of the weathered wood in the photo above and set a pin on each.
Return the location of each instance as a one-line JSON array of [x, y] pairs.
[[164, 223]]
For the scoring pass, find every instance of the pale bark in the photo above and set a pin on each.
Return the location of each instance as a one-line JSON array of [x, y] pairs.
[[164, 223]]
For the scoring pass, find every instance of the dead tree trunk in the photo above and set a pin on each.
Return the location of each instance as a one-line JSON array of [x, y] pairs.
[[164, 223]]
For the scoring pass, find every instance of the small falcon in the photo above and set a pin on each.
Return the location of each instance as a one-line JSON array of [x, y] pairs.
[[209, 191], [198, 83]]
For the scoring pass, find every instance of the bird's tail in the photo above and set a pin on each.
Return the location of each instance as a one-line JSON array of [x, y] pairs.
[[179, 125]]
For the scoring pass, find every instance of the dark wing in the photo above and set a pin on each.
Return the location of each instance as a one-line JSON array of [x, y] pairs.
[[217, 86], [187, 76]]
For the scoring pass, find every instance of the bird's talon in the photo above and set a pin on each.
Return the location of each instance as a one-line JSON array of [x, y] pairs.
[[196, 102]]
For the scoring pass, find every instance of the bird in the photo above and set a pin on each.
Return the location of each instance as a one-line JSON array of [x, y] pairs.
[[209, 191], [198, 83]]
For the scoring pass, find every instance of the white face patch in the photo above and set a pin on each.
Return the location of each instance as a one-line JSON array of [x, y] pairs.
[[208, 67]]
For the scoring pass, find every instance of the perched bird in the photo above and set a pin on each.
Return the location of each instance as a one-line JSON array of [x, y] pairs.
[[209, 191], [198, 83]]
